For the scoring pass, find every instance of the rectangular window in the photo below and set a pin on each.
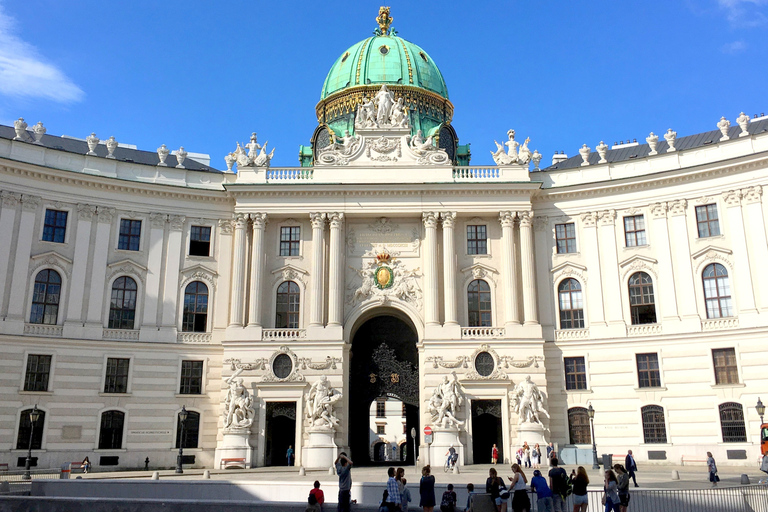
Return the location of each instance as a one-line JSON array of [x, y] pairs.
[[634, 230], [116, 380], [575, 373], [477, 240], [380, 429], [707, 221], [381, 408], [191, 378], [290, 237], [726, 370], [200, 241], [565, 234], [648, 375], [130, 235], [38, 370], [55, 226]]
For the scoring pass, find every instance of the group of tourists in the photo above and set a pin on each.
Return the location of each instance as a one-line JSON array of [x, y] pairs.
[[528, 457]]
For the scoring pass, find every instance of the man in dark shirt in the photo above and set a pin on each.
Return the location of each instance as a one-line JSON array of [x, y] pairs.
[[629, 463], [344, 470], [558, 481]]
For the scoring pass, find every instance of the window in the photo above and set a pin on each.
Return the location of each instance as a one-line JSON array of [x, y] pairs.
[[717, 291], [122, 305], [381, 408], [634, 230], [282, 366], [45, 298], [25, 428], [732, 423], [565, 234], [116, 380], [571, 304], [195, 317], [38, 370], [55, 226], [479, 304], [648, 375], [477, 240], [191, 430], [290, 237], [380, 429], [287, 315], [726, 370], [191, 378], [200, 241], [484, 364], [641, 300], [578, 426], [575, 373], [707, 221], [654, 426], [130, 235], [111, 431]]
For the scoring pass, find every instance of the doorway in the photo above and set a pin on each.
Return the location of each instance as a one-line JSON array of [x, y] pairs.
[[280, 432], [486, 430]]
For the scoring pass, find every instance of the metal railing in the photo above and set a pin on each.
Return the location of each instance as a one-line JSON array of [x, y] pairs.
[[12, 483]]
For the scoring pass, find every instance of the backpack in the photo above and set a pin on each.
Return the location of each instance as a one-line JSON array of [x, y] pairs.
[[561, 484]]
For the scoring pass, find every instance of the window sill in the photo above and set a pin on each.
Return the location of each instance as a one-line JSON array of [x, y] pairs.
[[34, 451], [481, 256], [185, 395], [577, 391], [726, 386], [652, 389], [713, 237], [198, 257], [52, 242], [24, 392], [636, 246], [115, 394], [567, 254], [660, 445], [298, 257], [110, 450], [186, 450]]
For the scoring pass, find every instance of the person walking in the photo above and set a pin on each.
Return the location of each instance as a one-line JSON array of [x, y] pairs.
[[622, 480], [344, 469], [580, 483], [289, 455], [494, 454], [629, 463], [611, 497], [492, 487], [520, 500], [406, 495], [395, 499], [712, 468], [427, 489], [558, 482], [543, 492]]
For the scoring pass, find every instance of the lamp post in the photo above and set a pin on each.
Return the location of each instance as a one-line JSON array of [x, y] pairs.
[[591, 413], [760, 410], [182, 420], [34, 414]]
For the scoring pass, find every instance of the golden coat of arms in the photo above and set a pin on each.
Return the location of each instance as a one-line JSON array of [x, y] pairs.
[[383, 276]]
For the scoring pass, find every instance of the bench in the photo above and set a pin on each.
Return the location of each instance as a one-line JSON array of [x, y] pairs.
[[691, 458], [233, 463]]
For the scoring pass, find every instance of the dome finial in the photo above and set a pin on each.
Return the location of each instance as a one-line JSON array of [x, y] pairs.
[[384, 20]]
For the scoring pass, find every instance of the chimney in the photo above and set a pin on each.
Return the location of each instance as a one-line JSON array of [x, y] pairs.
[[559, 157]]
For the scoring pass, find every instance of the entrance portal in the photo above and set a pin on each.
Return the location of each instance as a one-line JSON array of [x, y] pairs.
[[280, 433], [486, 430], [384, 392]]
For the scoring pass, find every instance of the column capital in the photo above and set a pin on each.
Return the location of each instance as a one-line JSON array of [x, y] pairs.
[[449, 219], [106, 214], [659, 210], [336, 220], [507, 219], [10, 199], [317, 219], [225, 226], [589, 219], [607, 217], [240, 220], [30, 203], [85, 211], [732, 197], [258, 219], [540, 223], [429, 219], [157, 220], [526, 218], [752, 194], [177, 222], [677, 207]]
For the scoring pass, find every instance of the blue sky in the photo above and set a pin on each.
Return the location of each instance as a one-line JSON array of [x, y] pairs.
[[206, 74]]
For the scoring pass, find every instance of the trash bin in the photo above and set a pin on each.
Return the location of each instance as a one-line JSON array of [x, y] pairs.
[[607, 461]]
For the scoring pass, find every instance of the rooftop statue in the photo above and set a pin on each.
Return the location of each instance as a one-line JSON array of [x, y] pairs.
[[366, 114], [384, 20], [255, 156], [399, 115], [384, 99]]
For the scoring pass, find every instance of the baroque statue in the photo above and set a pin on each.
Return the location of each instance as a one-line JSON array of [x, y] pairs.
[[238, 406], [511, 156], [382, 111], [445, 401], [528, 402], [320, 402], [255, 156]]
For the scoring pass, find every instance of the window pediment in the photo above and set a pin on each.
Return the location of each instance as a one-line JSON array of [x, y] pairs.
[[480, 271], [50, 259], [126, 266], [198, 273], [711, 254], [569, 269], [290, 273], [638, 263]]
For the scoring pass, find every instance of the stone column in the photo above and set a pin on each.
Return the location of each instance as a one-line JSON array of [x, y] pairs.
[[589, 246], [238, 272], [19, 279], [259, 222], [316, 288], [175, 254], [336, 272], [99, 269], [152, 313], [752, 199], [431, 314], [610, 266], [507, 220], [666, 285], [681, 259], [743, 275], [527, 267], [449, 268], [85, 213], [10, 201]]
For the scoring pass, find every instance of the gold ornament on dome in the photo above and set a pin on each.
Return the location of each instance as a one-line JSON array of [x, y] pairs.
[[384, 20]]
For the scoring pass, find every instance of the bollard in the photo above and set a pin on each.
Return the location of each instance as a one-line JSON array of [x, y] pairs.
[[207, 474], [675, 475], [744, 479], [301, 471], [456, 469], [65, 470], [156, 475], [146, 464], [331, 471]]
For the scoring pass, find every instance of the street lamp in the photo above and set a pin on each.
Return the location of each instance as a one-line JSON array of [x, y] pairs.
[[591, 413], [34, 414], [760, 410], [182, 419]]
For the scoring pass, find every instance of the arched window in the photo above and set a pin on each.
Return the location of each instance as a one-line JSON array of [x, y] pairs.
[[641, 300], [195, 318], [287, 316], [191, 430], [578, 425], [45, 299], [654, 425], [25, 428], [479, 304], [571, 304], [122, 306], [732, 423], [717, 291], [111, 431]]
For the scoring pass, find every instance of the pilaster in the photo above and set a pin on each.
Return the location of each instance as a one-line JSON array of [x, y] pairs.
[[589, 246], [743, 275], [9, 202], [431, 314], [258, 223], [449, 269], [610, 267], [20, 279], [752, 201], [507, 220], [238, 272], [151, 317], [174, 255], [335, 266], [74, 320], [530, 310], [681, 263], [667, 289], [94, 323], [316, 279]]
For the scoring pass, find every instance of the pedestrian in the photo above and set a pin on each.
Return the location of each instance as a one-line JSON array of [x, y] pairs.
[[494, 454], [289, 455], [622, 487], [611, 497], [384, 503], [312, 504], [395, 499], [318, 494], [527, 454], [712, 468], [470, 494], [629, 463], [543, 492], [399, 475], [492, 487], [86, 465], [536, 456], [580, 483], [406, 495], [344, 470], [427, 489], [558, 482], [520, 500], [448, 502], [519, 455], [550, 449]]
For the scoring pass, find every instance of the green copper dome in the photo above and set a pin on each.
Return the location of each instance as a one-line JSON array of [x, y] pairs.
[[384, 59]]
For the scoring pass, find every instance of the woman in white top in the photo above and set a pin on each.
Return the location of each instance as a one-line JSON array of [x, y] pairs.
[[520, 500]]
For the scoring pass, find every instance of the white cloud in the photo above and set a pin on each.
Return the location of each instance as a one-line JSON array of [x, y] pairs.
[[745, 13], [25, 73], [734, 47]]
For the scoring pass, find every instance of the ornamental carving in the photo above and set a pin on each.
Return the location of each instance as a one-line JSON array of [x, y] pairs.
[[157, 220], [639, 264], [525, 218], [499, 362], [384, 278], [507, 219], [225, 226], [48, 260], [752, 194], [732, 197], [328, 364], [255, 156], [659, 210], [449, 219], [512, 155], [126, 267], [540, 223], [567, 270], [589, 219], [429, 219], [106, 214], [293, 374], [198, 273], [383, 226], [30, 203], [713, 254], [607, 217], [86, 211], [177, 221], [677, 207], [10, 199]]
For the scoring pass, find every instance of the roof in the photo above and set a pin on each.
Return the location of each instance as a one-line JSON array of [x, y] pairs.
[[643, 150], [121, 154]]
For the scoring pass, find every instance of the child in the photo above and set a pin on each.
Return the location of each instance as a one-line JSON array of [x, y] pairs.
[[470, 494], [318, 494], [406, 495], [313, 505], [448, 503]]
